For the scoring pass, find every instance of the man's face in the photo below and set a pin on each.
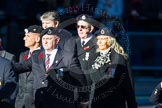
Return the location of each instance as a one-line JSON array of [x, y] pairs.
[[83, 29], [48, 23], [30, 39], [102, 42], [50, 42]]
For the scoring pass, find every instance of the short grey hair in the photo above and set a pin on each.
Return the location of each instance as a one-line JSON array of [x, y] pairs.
[[50, 15]]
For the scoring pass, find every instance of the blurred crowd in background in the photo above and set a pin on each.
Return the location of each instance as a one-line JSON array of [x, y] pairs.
[[15, 15]]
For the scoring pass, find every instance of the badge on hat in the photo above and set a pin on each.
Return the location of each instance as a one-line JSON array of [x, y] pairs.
[[26, 30], [83, 17], [49, 31], [34, 30], [102, 32]]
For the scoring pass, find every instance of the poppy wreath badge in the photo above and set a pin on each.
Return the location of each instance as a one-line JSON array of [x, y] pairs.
[[86, 48], [25, 57], [41, 55]]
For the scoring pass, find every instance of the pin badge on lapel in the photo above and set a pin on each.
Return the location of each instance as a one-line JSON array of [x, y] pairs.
[[56, 61]]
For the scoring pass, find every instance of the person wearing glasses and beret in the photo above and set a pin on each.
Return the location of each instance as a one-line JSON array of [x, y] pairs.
[[109, 73], [56, 72], [86, 41]]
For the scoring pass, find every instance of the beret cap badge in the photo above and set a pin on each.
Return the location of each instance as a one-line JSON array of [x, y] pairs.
[[49, 31], [102, 32], [83, 17], [26, 30], [34, 29]]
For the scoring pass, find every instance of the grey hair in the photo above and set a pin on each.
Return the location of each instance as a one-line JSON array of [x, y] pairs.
[[50, 15]]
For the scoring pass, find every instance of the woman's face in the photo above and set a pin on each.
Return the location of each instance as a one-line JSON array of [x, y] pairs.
[[102, 42]]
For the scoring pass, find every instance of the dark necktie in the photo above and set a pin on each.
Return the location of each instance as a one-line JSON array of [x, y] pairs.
[[83, 42], [47, 62]]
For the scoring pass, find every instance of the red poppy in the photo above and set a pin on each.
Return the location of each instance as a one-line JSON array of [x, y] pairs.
[[40, 55], [25, 57], [86, 48]]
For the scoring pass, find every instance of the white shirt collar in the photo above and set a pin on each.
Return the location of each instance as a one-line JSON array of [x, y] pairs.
[[87, 39]]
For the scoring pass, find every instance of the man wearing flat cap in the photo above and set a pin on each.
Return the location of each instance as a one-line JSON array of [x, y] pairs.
[[56, 72], [25, 96]]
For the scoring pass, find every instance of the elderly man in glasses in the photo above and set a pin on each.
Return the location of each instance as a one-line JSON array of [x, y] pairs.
[[85, 42], [86, 45]]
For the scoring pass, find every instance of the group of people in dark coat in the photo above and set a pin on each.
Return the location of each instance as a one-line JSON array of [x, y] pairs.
[[86, 71]]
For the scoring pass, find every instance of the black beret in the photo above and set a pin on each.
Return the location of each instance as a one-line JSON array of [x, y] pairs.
[[51, 31], [33, 29], [104, 32], [86, 18]]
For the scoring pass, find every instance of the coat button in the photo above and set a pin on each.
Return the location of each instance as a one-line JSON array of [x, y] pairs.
[[41, 92]]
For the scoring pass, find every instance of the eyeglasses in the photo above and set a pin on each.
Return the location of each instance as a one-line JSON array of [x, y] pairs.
[[81, 26]]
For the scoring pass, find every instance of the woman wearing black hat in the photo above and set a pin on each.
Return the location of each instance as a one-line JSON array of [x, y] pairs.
[[110, 75]]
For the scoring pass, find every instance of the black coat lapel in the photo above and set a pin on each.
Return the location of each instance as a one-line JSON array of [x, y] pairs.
[[26, 53], [80, 49], [58, 58], [90, 44]]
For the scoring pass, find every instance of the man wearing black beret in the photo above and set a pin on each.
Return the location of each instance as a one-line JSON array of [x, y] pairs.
[[57, 73], [86, 41], [86, 45], [25, 97]]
